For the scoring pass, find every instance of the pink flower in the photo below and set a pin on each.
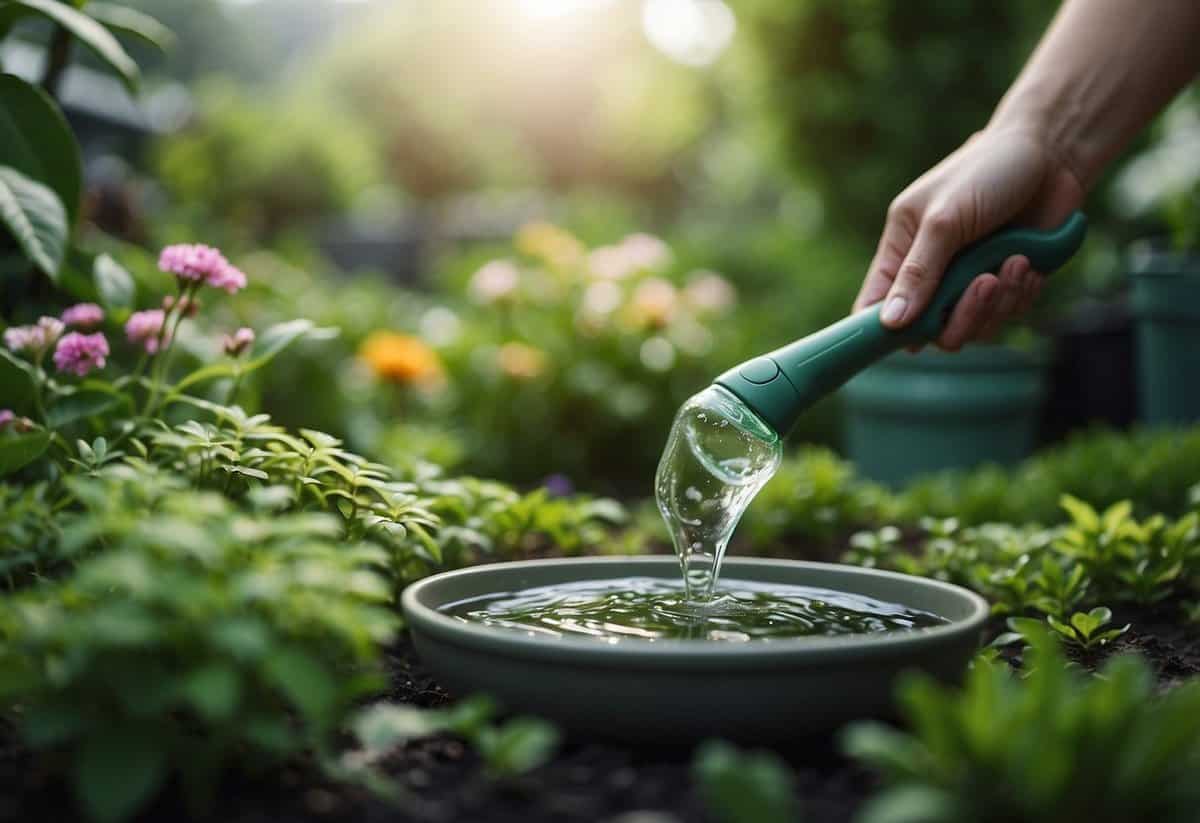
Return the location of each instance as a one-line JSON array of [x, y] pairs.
[[194, 263], [80, 353], [17, 338], [236, 343], [83, 316], [144, 327], [36, 338], [6, 418]]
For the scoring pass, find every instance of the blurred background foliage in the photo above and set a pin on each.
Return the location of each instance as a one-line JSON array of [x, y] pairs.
[[372, 163]]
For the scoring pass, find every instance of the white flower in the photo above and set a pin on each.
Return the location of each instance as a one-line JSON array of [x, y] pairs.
[[495, 281]]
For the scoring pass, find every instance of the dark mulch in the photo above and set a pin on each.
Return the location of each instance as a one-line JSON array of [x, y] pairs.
[[586, 781]]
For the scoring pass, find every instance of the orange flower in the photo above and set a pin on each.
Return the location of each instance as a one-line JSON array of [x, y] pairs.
[[400, 357], [521, 361]]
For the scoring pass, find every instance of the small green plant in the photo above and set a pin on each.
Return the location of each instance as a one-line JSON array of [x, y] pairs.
[[510, 748], [1057, 746], [1087, 630], [745, 787]]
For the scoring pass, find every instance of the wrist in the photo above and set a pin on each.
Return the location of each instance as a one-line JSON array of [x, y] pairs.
[[1053, 120]]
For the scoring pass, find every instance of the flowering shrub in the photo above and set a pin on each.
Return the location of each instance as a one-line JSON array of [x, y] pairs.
[[555, 340], [187, 584]]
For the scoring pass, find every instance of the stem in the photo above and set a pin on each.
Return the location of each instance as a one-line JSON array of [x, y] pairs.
[[166, 344], [58, 54]]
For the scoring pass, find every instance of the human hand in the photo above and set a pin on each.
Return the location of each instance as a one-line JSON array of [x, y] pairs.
[[996, 177]]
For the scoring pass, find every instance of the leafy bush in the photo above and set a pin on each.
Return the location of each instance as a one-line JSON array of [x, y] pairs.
[[1095, 559], [817, 498], [188, 634], [1057, 746], [239, 162], [846, 87]]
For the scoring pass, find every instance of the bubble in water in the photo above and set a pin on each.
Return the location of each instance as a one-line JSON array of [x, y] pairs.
[[718, 455]]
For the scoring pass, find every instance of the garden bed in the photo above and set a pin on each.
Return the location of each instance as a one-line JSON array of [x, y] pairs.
[[585, 780]]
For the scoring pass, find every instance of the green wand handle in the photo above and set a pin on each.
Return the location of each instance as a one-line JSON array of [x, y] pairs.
[[780, 385]]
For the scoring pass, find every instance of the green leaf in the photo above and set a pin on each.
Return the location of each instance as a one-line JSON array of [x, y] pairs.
[[305, 682], [521, 744], [214, 691], [36, 218], [92, 34], [17, 383], [384, 726], [21, 450], [125, 20], [117, 770], [911, 804], [36, 141], [114, 283], [1083, 515], [745, 787], [81, 405]]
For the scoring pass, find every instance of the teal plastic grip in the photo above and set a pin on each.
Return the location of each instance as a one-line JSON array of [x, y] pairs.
[[780, 385]]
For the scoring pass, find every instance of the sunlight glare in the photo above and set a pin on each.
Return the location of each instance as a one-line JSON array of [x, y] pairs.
[[692, 32], [544, 9]]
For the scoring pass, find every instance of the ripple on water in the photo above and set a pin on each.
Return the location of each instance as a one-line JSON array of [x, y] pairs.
[[652, 608]]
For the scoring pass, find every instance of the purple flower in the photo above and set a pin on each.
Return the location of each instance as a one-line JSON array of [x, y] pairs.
[[236, 343], [83, 316], [80, 353], [196, 263], [6, 418], [143, 327], [559, 485]]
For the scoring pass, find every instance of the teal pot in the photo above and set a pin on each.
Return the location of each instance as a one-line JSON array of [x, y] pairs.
[[1166, 307], [913, 414], [682, 691]]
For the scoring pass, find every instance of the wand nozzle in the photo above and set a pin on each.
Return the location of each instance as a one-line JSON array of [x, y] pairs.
[[780, 385]]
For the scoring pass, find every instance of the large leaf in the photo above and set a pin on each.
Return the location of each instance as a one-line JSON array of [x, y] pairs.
[[16, 383], [36, 140], [18, 452], [124, 20], [91, 33], [113, 282], [81, 405], [117, 770], [36, 218]]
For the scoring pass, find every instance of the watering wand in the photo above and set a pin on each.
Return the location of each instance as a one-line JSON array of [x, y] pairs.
[[780, 385]]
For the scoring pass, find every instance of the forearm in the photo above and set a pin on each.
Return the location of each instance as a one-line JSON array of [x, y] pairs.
[[1101, 72]]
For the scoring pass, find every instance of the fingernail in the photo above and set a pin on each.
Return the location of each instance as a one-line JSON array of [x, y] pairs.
[[894, 310]]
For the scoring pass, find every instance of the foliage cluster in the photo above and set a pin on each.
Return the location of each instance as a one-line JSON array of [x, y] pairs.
[[844, 88], [1097, 558], [816, 496], [1056, 745]]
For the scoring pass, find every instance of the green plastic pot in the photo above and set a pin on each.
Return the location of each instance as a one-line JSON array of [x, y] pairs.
[[914, 414], [682, 691], [1166, 306]]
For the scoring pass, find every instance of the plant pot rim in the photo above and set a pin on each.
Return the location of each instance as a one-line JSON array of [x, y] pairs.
[[422, 599]]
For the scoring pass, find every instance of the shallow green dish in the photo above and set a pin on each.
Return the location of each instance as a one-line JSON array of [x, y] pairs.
[[678, 691]]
